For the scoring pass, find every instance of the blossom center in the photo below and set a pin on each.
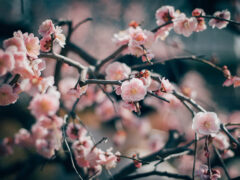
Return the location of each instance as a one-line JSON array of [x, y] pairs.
[[207, 124], [133, 91]]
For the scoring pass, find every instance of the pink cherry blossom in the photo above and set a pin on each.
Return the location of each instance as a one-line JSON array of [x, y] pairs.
[[36, 84], [117, 71], [59, 36], [203, 173], [185, 26], [166, 86], [6, 62], [121, 38], [94, 171], [6, 146], [110, 160], [46, 43], [7, 95], [31, 43], [46, 28], [39, 131], [23, 138], [162, 33], [221, 141], [201, 26], [140, 41], [78, 91], [43, 147], [44, 105], [225, 14], [234, 80], [22, 65], [51, 122], [74, 131], [165, 14], [206, 123], [82, 147], [133, 90], [16, 42], [129, 105]]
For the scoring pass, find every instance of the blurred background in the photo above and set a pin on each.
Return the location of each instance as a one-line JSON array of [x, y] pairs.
[[109, 17]]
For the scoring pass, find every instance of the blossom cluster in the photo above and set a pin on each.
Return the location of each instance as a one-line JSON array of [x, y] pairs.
[[139, 41], [20, 60], [86, 153]]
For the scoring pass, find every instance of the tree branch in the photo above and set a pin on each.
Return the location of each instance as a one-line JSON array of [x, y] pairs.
[[83, 54], [157, 173]]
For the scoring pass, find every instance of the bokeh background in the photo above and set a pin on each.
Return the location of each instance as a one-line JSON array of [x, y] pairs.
[[109, 17]]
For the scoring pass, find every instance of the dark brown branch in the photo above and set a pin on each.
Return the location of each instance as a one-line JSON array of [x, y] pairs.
[[71, 154], [14, 80], [82, 53], [194, 155], [157, 173], [163, 153], [192, 58], [99, 81], [159, 27], [181, 97], [159, 97], [222, 162], [224, 129], [219, 18], [110, 57], [80, 23]]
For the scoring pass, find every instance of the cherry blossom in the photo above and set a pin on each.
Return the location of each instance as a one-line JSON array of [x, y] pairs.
[[165, 14], [234, 80], [133, 90], [31, 43], [7, 95], [6, 62], [46, 28], [59, 36], [166, 86], [46, 43], [74, 131], [117, 71], [23, 138], [44, 105], [221, 141], [121, 38], [220, 24], [201, 25], [206, 123], [185, 26], [203, 173], [16, 42]]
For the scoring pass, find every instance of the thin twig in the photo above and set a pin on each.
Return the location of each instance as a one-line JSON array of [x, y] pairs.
[[80, 23], [157, 173], [70, 152], [224, 129], [110, 57], [194, 155], [222, 162], [181, 97], [82, 53], [219, 18], [63, 59], [159, 97]]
